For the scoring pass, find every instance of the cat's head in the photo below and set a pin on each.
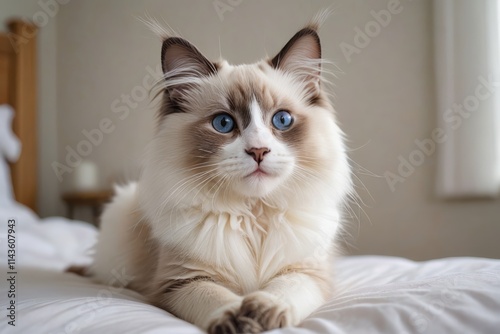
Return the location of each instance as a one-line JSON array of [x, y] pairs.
[[264, 130]]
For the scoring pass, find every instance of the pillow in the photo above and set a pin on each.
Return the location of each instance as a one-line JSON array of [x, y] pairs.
[[10, 149]]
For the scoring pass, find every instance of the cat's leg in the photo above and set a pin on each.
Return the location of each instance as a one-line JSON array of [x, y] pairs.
[[202, 302], [198, 293], [284, 301], [288, 298]]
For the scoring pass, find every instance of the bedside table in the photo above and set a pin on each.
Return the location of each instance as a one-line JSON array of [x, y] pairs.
[[93, 199]]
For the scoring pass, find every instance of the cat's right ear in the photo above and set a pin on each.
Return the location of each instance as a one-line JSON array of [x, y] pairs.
[[183, 65]]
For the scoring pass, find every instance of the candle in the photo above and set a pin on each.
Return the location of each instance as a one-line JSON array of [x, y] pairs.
[[86, 176]]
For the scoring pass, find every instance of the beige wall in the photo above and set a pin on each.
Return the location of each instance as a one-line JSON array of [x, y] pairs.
[[384, 98], [48, 185]]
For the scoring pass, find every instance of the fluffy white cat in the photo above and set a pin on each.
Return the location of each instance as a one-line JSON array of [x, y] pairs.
[[234, 219]]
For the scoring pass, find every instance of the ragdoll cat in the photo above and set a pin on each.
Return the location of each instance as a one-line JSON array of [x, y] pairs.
[[234, 219]]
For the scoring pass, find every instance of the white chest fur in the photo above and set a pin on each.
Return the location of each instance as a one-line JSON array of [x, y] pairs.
[[249, 249]]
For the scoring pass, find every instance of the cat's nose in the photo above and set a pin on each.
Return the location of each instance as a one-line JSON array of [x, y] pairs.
[[258, 153]]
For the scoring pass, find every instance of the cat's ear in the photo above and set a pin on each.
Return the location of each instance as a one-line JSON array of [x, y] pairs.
[[183, 65], [302, 57]]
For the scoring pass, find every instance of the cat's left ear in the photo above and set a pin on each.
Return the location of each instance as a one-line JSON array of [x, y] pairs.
[[302, 57]]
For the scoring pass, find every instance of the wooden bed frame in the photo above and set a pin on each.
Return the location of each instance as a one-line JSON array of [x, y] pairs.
[[18, 78]]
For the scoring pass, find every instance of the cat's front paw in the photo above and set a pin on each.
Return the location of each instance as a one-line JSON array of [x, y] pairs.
[[222, 319], [259, 311], [231, 323], [264, 309]]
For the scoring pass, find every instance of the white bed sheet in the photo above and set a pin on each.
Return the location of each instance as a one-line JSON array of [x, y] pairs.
[[374, 294]]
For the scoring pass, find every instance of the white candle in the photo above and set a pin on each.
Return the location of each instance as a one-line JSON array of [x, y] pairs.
[[86, 176]]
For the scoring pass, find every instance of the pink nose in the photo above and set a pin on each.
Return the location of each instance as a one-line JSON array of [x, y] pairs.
[[258, 153]]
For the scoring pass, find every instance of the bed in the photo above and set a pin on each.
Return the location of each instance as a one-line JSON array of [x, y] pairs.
[[373, 294]]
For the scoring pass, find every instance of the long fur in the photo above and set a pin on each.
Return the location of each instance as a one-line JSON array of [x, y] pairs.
[[199, 234]]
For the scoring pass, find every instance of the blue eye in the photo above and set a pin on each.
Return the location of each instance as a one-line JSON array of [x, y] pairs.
[[223, 123], [282, 120]]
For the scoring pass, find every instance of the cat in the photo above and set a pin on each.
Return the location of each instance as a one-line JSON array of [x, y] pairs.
[[235, 218]]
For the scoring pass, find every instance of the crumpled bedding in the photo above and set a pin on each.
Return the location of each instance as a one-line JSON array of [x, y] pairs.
[[374, 294]]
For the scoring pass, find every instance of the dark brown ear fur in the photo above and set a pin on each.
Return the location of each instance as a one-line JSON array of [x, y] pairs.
[[176, 52], [180, 62], [302, 56], [280, 60]]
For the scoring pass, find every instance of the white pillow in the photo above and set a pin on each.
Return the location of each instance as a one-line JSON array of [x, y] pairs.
[[10, 149]]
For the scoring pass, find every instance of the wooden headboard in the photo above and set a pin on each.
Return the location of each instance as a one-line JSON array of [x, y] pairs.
[[18, 78]]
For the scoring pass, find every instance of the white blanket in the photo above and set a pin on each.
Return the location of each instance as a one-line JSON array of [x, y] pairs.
[[374, 294]]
